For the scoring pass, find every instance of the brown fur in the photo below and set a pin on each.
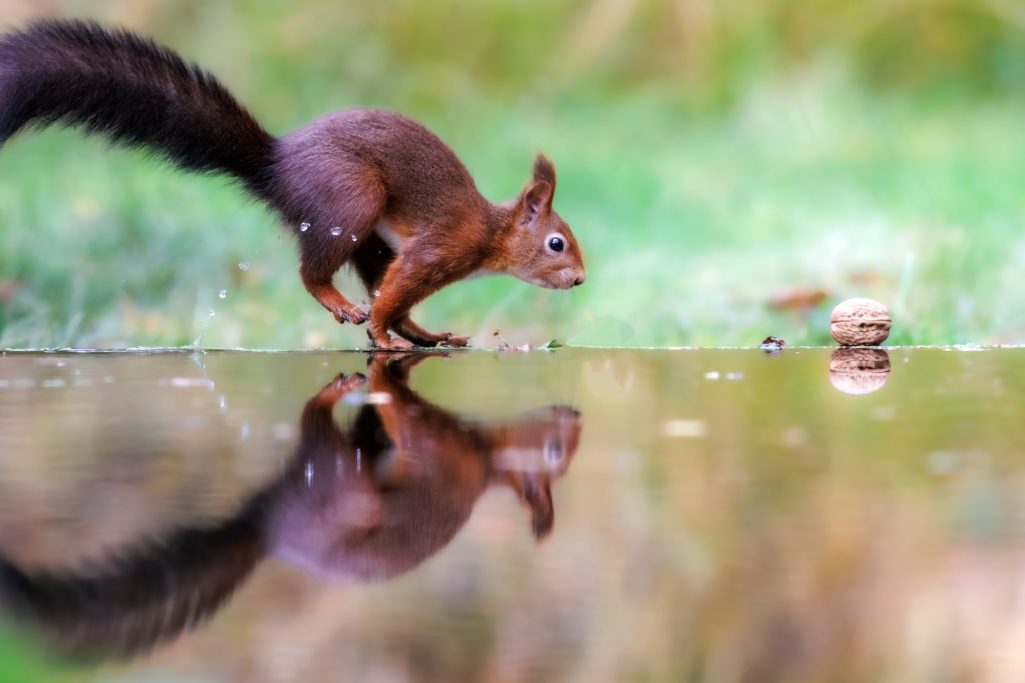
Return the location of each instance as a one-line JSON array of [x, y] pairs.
[[343, 173], [352, 169]]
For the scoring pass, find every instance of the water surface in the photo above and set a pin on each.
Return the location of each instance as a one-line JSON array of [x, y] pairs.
[[573, 515]]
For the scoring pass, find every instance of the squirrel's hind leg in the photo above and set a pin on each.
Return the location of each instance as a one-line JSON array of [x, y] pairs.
[[327, 245], [330, 298]]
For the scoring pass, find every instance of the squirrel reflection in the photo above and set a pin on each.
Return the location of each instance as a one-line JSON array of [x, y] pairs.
[[367, 503]]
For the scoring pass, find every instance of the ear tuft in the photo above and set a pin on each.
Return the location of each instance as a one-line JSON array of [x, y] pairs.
[[544, 170], [536, 199]]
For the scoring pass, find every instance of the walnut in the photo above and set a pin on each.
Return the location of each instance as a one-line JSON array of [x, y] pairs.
[[860, 322]]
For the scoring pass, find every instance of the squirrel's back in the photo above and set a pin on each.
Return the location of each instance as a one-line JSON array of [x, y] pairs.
[[419, 174], [132, 91], [138, 93]]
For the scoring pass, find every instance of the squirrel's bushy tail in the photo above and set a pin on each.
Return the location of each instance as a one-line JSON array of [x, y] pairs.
[[132, 91]]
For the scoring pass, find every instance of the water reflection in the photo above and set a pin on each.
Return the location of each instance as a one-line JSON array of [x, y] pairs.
[[859, 371], [367, 502]]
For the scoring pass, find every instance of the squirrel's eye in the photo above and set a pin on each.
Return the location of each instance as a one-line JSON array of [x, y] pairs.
[[553, 453], [556, 244]]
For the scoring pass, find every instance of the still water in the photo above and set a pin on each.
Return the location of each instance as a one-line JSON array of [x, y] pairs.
[[571, 515]]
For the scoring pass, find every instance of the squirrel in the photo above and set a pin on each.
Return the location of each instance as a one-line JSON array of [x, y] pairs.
[[365, 502], [363, 186]]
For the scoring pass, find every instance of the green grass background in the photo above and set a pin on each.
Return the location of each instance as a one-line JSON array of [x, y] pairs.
[[712, 158]]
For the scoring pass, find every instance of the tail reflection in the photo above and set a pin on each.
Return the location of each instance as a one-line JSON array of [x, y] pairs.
[[368, 503]]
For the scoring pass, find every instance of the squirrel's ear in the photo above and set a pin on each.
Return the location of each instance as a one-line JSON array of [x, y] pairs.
[[544, 170], [534, 201]]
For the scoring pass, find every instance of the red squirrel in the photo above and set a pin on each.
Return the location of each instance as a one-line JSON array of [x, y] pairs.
[[362, 186]]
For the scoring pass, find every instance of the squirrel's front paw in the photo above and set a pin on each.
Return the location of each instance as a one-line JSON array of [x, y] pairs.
[[453, 341], [393, 344]]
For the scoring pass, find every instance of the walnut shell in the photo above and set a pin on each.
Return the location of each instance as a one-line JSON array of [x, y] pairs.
[[860, 322]]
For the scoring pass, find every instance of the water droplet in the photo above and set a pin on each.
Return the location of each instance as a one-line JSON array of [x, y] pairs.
[[354, 238], [309, 474], [212, 313], [243, 266], [303, 227], [184, 382], [685, 429], [336, 231], [223, 294], [377, 292]]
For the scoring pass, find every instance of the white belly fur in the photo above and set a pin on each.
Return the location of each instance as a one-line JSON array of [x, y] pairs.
[[385, 231]]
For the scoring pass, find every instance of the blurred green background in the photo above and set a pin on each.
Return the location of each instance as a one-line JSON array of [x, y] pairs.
[[732, 170]]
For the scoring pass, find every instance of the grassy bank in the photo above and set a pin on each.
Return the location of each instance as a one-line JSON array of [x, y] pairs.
[[691, 231], [702, 223]]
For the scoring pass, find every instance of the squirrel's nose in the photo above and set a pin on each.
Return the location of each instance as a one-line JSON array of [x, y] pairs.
[[580, 280]]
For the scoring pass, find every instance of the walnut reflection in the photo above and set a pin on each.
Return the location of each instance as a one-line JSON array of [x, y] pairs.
[[367, 503], [857, 370]]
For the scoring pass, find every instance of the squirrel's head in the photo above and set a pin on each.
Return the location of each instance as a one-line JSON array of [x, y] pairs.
[[541, 246]]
